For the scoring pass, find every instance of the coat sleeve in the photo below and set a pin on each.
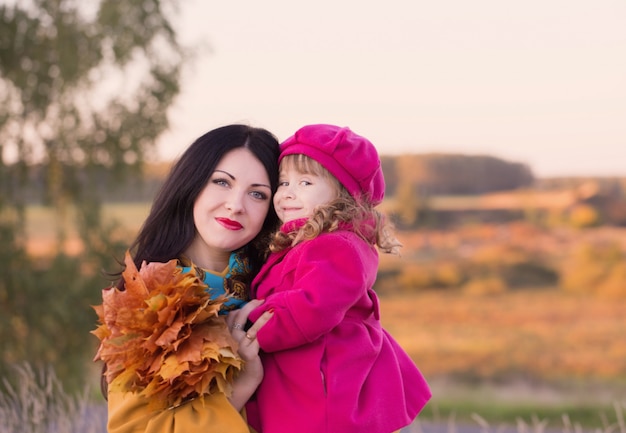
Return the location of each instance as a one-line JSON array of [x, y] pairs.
[[331, 274], [132, 413]]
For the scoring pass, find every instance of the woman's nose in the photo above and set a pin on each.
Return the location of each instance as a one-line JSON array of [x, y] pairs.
[[235, 203]]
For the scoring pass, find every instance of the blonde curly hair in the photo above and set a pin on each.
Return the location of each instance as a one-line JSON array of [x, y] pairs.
[[344, 211]]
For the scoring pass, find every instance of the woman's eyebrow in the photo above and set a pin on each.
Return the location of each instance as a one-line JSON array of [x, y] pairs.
[[261, 184], [226, 173], [234, 178]]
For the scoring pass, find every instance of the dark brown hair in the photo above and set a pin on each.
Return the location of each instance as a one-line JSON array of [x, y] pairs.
[[169, 228]]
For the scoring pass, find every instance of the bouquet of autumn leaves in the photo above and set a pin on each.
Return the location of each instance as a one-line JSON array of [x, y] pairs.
[[162, 337]]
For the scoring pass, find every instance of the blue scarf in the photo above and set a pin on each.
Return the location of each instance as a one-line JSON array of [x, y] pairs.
[[228, 282]]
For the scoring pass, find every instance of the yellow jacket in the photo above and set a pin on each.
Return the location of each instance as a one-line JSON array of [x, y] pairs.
[[131, 413]]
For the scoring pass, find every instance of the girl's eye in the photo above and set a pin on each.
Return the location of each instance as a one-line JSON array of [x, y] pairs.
[[305, 183], [283, 183]]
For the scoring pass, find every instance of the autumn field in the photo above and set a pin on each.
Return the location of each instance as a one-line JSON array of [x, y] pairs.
[[537, 336], [522, 352], [494, 315], [513, 319]]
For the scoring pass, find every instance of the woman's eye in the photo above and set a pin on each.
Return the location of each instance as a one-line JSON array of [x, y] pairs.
[[220, 182], [259, 195]]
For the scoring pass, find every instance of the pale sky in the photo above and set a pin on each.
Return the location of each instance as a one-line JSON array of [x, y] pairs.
[[542, 82]]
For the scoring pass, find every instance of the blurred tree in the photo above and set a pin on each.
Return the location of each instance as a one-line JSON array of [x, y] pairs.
[[454, 174], [84, 86], [411, 205], [388, 164]]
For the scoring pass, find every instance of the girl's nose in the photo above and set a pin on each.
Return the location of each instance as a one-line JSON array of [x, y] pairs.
[[287, 192]]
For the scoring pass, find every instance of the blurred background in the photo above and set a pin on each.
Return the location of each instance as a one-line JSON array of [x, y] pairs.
[[502, 134]]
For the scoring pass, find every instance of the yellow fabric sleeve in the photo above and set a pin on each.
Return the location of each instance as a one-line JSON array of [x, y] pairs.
[[130, 413]]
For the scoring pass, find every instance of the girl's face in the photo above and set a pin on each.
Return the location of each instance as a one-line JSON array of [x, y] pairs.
[[230, 210], [300, 192]]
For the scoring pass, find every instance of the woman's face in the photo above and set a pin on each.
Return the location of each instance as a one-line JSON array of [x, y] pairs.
[[230, 210]]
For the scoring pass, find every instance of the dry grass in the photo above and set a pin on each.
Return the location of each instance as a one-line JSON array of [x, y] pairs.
[[35, 402]]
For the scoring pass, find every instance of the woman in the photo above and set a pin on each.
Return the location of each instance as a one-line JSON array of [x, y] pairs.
[[211, 220]]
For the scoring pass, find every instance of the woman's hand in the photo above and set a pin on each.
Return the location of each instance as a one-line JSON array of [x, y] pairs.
[[236, 321], [250, 377]]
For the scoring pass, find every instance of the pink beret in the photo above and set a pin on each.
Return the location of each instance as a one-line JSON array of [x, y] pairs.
[[352, 159]]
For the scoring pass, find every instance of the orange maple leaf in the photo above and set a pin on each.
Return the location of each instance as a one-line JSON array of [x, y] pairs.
[[162, 336]]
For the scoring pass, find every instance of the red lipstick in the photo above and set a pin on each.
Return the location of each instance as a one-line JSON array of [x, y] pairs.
[[229, 224]]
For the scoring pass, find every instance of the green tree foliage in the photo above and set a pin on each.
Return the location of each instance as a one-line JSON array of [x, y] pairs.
[[84, 86]]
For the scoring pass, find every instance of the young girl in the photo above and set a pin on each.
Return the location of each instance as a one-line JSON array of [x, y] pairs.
[[329, 365], [171, 360]]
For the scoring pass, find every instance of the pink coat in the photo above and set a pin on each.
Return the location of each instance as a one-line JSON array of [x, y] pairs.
[[329, 364]]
